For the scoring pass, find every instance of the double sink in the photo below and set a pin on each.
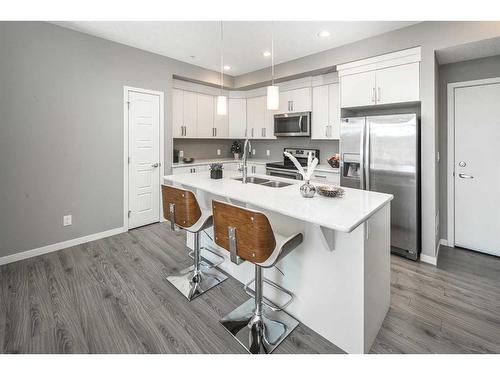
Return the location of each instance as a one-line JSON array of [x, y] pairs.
[[264, 182]]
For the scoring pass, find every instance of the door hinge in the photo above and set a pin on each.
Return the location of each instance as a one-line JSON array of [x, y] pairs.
[[129, 212]]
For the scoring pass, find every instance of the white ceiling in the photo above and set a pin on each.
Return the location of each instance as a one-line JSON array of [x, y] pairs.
[[244, 41]]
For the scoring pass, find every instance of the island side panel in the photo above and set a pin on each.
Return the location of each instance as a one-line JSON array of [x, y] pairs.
[[377, 273]]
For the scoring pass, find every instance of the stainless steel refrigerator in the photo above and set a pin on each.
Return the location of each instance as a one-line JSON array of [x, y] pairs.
[[382, 153]]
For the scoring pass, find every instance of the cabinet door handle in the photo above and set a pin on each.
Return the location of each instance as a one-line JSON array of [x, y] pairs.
[[291, 104], [246, 132], [216, 132], [463, 175], [326, 131], [252, 132], [378, 94]]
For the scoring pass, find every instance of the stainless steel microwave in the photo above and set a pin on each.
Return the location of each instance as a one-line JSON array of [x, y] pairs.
[[293, 124]]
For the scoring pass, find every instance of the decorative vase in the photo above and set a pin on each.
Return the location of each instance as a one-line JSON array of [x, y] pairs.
[[236, 156], [307, 190]]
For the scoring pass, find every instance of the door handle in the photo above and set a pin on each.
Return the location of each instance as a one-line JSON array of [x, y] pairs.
[[155, 165], [463, 175]]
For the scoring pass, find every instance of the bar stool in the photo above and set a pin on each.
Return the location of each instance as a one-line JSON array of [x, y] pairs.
[[258, 324], [181, 208]]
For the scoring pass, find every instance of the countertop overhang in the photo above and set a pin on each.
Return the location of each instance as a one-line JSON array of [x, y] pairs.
[[340, 214]]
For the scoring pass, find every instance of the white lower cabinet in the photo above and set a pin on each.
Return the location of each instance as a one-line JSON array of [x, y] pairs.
[[193, 169], [256, 168], [326, 177]]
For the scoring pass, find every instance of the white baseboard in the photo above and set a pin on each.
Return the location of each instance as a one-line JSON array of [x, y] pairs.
[[59, 246], [428, 259], [443, 242]]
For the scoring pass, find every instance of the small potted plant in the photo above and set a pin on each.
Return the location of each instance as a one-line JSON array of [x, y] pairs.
[[236, 150]]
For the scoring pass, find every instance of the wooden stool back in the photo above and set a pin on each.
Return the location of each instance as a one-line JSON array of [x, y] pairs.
[[254, 236], [187, 210]]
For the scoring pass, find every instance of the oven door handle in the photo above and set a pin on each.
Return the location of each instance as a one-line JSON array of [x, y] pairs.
[[283, 171]]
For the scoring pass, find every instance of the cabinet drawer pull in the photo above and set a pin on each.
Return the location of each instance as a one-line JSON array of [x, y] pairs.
[[319, 176]]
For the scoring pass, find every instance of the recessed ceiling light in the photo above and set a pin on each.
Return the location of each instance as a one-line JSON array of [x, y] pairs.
[[324, 34], [227, 67], [266, 53]]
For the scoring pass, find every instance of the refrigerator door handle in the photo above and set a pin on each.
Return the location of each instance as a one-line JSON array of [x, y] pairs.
[[362, 158], [367, 156]]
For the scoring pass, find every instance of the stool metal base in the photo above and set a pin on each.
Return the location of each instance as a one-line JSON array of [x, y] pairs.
[[192, 287], [258, 334]]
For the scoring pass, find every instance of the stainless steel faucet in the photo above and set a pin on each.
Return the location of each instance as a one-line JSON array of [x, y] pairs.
[[244, 168]]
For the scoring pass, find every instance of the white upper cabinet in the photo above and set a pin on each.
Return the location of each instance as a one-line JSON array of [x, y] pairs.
[[260, 121], [184, 108], [334, 110], [298, 100], [177, 113], [237, 114], [221, 123], [205, 114], [190, 105], [386, 79], [358, 89], [326, 112], [398, 84], [256, 116]]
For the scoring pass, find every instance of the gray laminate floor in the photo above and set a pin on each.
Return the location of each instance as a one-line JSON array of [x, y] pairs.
[[111, 296]]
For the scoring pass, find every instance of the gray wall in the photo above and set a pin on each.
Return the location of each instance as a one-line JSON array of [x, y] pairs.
[[61, 129], [463, 71], [432, 37], [207, 148]]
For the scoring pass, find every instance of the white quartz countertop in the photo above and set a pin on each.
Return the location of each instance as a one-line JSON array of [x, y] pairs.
[[341, 214]]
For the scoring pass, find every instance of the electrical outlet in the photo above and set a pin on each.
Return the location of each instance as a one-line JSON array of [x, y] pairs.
[[268, 152], [67, 220], [253, 152], [181, 153], [218, 152]]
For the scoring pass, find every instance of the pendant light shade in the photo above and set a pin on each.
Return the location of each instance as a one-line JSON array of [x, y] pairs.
[[222, 105], [273, 97], [221, 99], [273, 92]]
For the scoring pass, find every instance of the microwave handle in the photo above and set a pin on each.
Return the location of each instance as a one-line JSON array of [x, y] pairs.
[[300, 123]]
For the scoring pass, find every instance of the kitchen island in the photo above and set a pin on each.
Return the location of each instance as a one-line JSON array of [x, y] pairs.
[[340, 274]]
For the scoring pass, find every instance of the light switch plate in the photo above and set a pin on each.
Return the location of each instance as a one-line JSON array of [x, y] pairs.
[[218, 152], [67, 220], [253, 152], [268, 152], [181, 153]]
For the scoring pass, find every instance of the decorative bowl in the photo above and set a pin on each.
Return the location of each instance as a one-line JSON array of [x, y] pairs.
[[330, 191], [187, 160]]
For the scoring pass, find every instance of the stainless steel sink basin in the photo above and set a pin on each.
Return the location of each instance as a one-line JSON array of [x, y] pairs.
[[276, 184], [264, 182], [254, 180]]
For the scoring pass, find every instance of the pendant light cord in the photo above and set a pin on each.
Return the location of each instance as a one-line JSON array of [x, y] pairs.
[[221, 58], [272, 53]]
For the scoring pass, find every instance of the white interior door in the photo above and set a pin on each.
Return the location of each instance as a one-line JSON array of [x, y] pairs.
[[144, 165], [477, 168]]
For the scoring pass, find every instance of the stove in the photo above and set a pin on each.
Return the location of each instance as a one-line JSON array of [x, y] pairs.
[[286, 168]]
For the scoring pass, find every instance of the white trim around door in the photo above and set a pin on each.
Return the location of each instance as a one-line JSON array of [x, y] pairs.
[[451, 150], [126, 90]]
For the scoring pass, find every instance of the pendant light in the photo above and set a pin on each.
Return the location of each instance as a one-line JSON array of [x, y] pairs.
[[273, 92], [221, 99]]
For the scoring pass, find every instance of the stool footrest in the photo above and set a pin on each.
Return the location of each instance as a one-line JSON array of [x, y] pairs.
[[273, 306], [209, 263]]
